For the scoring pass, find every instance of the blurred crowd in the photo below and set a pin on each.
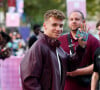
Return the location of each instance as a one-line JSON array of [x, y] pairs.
[[14, 41], [17, 44]]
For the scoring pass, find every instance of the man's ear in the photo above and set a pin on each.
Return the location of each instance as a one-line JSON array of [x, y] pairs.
[[44, 25]]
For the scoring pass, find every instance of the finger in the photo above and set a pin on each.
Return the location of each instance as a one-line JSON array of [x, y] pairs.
[[67, 73], [81, 27], [88, 29], [84, 27], [80, 38]]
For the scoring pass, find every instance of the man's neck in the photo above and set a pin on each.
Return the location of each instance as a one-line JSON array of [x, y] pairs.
[[73, 34]]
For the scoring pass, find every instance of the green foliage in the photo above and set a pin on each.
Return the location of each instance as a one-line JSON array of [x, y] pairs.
[[93, 8], [35, 9], [1, 9]]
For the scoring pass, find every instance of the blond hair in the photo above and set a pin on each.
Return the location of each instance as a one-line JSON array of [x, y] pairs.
[[54, 13]]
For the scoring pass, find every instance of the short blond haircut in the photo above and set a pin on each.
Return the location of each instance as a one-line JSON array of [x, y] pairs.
[[54, 13], [98, 24]]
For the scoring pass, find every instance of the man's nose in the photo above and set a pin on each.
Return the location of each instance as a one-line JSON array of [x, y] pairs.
[[58, 28], [74, 21]]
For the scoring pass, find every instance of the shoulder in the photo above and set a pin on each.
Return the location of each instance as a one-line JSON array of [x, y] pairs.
[[39, 42], [63, 37], [92, 38], [93, 42], [97, 57], [97, 52]]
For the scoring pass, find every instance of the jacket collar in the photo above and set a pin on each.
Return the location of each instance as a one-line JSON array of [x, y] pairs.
[[51, 42]]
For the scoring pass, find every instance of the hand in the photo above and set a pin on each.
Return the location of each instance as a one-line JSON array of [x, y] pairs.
[[82, 40], [83, 27], [82, 43], [73, 73]]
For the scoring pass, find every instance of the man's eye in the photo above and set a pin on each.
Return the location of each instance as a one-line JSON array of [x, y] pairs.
[[77, 19], [71, 19], [61, 26], [54, 24]]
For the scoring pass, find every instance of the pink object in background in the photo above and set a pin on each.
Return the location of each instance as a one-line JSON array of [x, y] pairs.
[[11, 3], [12, 20], [10, 74], [76, 5]]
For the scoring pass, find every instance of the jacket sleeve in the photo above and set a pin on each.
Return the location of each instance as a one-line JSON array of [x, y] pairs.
[[31, 68], [75, 59]]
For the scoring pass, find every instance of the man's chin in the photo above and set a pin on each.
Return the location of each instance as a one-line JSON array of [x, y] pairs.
[[74, 30], [56, 37]]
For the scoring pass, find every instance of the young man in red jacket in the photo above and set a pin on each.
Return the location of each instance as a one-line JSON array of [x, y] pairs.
[[44, 65], [76, 20]]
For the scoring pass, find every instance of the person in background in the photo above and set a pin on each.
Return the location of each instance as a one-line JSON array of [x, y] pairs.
[[44, 65], [17, 44], [76, 20], [98, 28], [5, 52], [21, 45], [96, 71], [34, 37]]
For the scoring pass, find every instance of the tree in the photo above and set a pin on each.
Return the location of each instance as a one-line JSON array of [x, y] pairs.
[[93, 9], [35, 9]]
